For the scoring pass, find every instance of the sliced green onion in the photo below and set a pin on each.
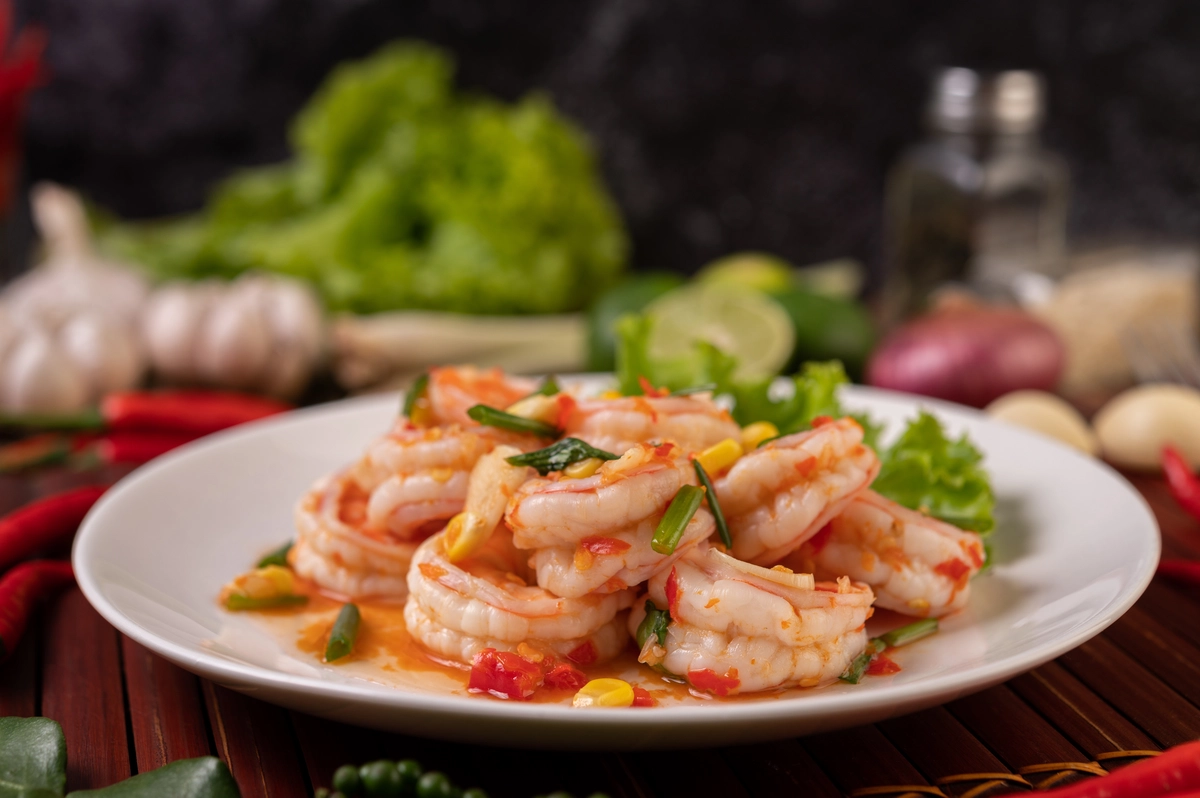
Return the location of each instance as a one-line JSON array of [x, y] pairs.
[[877, 645], [344, 633], [237, 601], [560, 455], [414, 393], [655, 623], [910, 633], [706, 387], [549, 387], [86, 420], [491, 417], [277, 557], [855, 672], [714, 506], [676, 518]]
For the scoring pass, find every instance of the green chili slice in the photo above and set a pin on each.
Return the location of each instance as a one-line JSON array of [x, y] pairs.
[[277, 557], [714, 506], [344, 633], [237, 601], [675, 520], [560, 455], [491, 417], [414, 393]]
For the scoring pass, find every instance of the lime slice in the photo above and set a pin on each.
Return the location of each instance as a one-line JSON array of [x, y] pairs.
[[741, 322], [756, 270]]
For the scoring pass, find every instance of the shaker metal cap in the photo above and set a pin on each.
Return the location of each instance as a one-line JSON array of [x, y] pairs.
[[964, 100]]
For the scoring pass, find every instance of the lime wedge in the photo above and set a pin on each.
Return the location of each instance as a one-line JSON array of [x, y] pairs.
[[757, 270], [739, 321]]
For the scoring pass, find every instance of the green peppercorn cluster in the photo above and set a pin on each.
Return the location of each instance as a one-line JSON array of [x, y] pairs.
[[404, 779]]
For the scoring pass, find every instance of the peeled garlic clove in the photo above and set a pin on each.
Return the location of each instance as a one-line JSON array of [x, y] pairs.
[[106, 352], [295, 316], [1048, 414], [1135, 425], [234, 344], [38, 377], [171, 323]]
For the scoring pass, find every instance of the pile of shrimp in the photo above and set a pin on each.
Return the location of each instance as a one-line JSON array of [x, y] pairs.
[[537, 572]]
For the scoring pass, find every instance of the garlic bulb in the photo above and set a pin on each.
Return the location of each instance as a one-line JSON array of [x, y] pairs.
[[40, 378], [260, 333]]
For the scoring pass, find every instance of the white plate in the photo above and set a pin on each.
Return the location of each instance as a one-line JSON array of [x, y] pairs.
[[1075, 546]]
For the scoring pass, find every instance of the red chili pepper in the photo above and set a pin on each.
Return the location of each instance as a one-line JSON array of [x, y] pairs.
[[642, 697], [713, 682], [504, 675], [1185, 487], [882, 665], [602, 546], [20, 589], [45, 523], [649, 390], [1180, 570], [133, 447], [583, 654], [563, 675], [672, 591], [197, 412], [1174, 773]]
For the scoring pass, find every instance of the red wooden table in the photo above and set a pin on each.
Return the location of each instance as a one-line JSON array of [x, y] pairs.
[[1131, 690]]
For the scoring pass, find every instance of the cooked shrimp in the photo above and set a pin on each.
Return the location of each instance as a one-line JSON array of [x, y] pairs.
[[781, 494], [736, 628], [917, 565], [692, 422], [615, 560], [334, 550], [452, 391], [458, 609], [551, 511]]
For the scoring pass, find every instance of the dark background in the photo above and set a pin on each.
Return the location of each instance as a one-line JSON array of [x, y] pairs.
[[720, 125]]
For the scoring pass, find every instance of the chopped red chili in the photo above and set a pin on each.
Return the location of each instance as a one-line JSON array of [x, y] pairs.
[[583, 654], [504, 675], [642, 697], [601, 546], [882, 665], [672, 591], [713, 682]]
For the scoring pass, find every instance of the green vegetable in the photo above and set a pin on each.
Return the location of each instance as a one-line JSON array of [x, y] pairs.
[[346, 780], [434, 785], [403, 193], [236, 601], [380, 779], [714, 506], [925, 470], [491, 417], [814, 393], [277, 557], [707, 387], [630, 295], [33, 758], [877, 645], [910, 633], [415, 392], [549, 387], [474, 792], [560, 455], [203, 777], [828, 328], [676, 518], [706, 364], [655, 623], [342, 637], [410, 773]]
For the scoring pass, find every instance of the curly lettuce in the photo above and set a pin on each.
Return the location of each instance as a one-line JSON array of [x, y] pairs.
[[928, 471], [403, 193]]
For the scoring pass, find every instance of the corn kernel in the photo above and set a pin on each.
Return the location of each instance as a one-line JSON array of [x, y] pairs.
[[262, 583], [536, 407], [464, 535], [604, 693], [583, 469], [611, 395], [720, 456], [422, 413], [756, 433]]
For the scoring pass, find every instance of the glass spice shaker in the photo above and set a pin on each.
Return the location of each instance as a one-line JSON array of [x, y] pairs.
[[979, 200]]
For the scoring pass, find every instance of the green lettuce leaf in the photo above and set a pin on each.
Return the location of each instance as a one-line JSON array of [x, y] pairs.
[[33, 758], [203, 777], [706, 365], [927, 471]]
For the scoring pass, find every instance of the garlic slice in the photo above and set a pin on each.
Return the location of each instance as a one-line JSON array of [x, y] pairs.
[[785, 578]]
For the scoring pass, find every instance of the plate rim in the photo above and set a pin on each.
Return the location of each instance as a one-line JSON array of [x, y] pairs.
[[245, 675]]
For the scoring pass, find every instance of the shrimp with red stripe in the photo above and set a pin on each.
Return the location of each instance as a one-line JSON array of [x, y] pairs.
[[692, 422], [916, 564]]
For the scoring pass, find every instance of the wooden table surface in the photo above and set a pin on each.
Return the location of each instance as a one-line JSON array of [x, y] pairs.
[[1133, 689]]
